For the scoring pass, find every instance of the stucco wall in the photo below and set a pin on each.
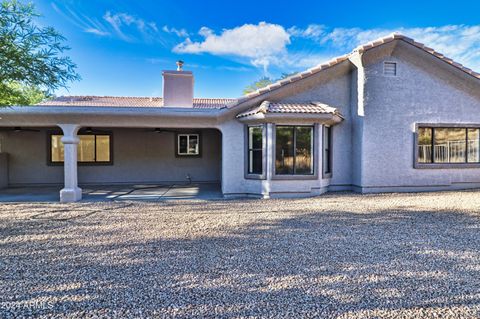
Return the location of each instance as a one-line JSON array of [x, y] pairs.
[[233, 180], [3, 170], [138, 156], [422, 92]]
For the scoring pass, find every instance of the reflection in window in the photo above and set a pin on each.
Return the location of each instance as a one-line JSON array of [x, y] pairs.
[[188, 144], [255, 150], [327, 145], [425, 145], [294, 150], [90, 149], [448, 145], [473, 145]]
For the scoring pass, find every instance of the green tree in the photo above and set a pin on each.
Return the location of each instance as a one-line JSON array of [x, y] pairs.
[[32, 59], [15, 93], [263, 82]]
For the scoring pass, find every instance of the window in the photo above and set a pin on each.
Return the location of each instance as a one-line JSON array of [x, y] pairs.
[[92, 148], [255, 150], [294, 150], [448, 145], [327, 146], [188, 144], [390, 68]]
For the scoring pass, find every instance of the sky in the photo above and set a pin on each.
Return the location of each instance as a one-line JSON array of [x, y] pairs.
[[121, 47]]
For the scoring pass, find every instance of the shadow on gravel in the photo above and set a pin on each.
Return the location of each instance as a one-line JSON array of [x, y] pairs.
[[311, 264]]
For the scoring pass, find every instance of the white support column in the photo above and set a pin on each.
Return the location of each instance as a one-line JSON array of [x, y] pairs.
[[270, 155], [71, 192]]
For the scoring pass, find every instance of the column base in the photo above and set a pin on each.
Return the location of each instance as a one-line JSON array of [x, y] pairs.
[[69, 195]]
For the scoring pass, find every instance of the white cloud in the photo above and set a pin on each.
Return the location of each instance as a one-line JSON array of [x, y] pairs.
[[312, 31], [268, 44], [129, 27], [97, 32], [459, 42], [182, 33], [261, 44], [87, 24]]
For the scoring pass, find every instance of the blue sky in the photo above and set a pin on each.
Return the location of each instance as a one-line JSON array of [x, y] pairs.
[[121, 47]]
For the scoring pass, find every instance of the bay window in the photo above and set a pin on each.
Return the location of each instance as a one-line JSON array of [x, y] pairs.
[[255, 150], [327, 150], [294, 150]]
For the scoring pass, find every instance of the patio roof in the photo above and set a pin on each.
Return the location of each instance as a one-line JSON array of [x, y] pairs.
[[291, 108], [131, 101]]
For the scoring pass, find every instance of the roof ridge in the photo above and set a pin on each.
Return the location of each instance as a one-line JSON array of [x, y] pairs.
[[359, 49]]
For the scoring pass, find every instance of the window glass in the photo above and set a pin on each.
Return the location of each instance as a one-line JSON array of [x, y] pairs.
[[284, 150], [188, 144], [57, 148], [294, 150], [255, 150], [86, 148], [193, 144], [424, 145], [182, 144], [473, 145], [443, 145], [449, 145], [326, 149], [103, 148], [90, 149], [255, 137], [303, 150]]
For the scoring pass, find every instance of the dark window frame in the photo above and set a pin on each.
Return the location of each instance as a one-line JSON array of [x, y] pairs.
[[264, 152], [327, 157], [200, 145], [436, 165], [80, 163], [294, 176]]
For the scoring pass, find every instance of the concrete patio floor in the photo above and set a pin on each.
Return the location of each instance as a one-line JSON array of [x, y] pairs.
[[205, 191]]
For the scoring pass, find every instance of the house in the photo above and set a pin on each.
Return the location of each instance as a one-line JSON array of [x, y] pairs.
[[391, 116]]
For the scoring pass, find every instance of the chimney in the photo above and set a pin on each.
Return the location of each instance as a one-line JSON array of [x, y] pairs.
[[177, 87]]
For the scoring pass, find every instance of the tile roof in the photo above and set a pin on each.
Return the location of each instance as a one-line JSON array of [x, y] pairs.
[[340, 59], [230, 103], [310, 108], [127, 101]]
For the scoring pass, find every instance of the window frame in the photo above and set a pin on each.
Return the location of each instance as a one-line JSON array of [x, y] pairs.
[[315, 138], [264, 153], [177, 144], [79, 163], [433, 165], [329, 173]]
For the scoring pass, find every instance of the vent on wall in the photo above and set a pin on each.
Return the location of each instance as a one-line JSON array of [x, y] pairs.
[[390, 68]]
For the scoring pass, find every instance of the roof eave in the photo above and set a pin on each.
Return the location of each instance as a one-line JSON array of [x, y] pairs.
[[324, 118]]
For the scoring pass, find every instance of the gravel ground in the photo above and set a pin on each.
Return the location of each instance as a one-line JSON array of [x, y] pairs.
[[335, 256]]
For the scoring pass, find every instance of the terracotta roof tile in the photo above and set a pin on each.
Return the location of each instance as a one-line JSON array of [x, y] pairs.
[[229, 103], [269, 107], [127, 101]]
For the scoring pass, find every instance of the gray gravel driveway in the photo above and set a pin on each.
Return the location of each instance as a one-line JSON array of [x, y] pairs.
[[335, 256]]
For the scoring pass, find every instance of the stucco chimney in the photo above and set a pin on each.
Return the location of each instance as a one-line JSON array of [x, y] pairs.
[[177, 87]]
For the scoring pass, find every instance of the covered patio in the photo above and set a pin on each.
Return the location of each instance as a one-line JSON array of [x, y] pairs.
[[137, 192], [56, 152]]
